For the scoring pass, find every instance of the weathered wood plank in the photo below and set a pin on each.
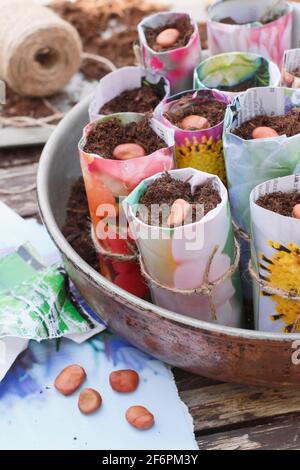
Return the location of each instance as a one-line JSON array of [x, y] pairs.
[[226, 405], [187, 381], [281, 433], [17, 189], [19, 156], [11, 136]]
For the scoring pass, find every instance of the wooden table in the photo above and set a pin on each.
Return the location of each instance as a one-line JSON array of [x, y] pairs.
[[225, 416]]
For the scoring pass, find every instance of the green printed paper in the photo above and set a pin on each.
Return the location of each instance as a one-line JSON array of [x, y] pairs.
[[34, 299]]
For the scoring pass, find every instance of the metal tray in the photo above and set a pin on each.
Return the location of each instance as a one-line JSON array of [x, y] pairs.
[[222, 353]]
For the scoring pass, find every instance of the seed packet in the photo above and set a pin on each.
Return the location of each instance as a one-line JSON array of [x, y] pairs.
[[35, 300]]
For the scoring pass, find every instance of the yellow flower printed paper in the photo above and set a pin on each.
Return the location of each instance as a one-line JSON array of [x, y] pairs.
[[276, 259]]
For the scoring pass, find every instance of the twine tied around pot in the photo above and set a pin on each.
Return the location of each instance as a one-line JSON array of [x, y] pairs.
[[241, 233], [207, 286], [131, 256], [290, 295]]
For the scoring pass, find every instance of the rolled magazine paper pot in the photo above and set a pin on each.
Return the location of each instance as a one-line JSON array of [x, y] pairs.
[[177, 65], [291, 62], [106, 181], [178, 261], [275, 261], [269, 40], [251, 162], [125, 78], [202, 150], [232, 70]]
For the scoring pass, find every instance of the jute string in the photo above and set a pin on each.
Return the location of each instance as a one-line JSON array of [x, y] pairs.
[[25, 121], [270, 289], [39, 51], [207, 286], [241, 233], [132, 256]]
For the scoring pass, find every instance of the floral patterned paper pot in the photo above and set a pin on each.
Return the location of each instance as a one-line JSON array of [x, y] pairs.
[[107, 180], [179, 261], [235, 72], [275, 260], [176, 64], [123, 79], [290, 73], [200, 149], [250, 26], [251, 162]]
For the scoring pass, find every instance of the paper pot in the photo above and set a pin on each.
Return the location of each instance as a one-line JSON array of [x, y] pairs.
[[275, 259], [202, 150], [178, 258], [234, 72], [125, 78], [291, 62], [251, 162], [269, 40], [177, 65], [106, 181]]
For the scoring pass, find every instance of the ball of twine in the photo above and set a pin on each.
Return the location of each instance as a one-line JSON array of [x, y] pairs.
[[39, 52]]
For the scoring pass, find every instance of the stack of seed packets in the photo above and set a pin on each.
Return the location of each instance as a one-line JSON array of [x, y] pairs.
[[31, 408]]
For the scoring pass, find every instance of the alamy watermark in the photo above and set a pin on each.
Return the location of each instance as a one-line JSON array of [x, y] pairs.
[[150, 223], [295, 358]]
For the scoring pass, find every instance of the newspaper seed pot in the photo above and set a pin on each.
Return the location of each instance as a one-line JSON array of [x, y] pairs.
[[290, 73], [180, 260], [258, 26], [250, 162], [123, 80], [200, 149], [107, 180], [176, 63], [276, 255], [235, 72]]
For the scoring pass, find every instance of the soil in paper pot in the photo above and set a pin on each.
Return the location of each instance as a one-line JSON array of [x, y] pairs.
[[184, 27], [107, 135]]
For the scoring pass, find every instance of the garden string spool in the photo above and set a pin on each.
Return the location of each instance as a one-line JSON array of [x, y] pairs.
[[39, 52]]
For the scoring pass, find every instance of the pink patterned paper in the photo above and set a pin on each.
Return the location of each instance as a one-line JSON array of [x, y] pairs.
[[176, 65], [269, 40]]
